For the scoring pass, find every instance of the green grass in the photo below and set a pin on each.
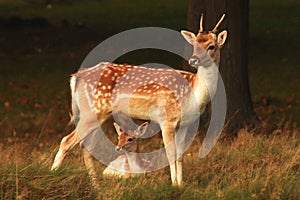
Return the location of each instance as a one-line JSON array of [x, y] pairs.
[[35, 64]]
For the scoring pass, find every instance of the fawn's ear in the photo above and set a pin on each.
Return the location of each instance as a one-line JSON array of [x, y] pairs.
[[141, 130], [189, 36], [118, 128]]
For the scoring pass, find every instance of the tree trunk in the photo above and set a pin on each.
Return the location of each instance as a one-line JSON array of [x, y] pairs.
[[234, 54]]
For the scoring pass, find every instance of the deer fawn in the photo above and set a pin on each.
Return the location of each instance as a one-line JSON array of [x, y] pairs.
[[172, 98], [124, 165]]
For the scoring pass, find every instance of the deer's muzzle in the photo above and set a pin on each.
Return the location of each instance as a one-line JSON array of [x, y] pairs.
[[194, 61]]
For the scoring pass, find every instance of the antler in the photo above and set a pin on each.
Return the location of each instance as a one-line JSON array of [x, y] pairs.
[[201, 24], [218, 24]]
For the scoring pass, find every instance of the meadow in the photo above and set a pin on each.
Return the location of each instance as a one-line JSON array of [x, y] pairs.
[[40, 46]]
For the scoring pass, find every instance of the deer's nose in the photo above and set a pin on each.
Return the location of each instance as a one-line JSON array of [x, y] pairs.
[[118, 149], [194, 61]]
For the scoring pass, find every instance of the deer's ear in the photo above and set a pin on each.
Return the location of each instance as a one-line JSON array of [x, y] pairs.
[[222, 38], [141, 130], [189, 36], [118, 128]]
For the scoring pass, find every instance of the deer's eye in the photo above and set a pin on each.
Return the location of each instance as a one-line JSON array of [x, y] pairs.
[[129, 140], [211, 47]]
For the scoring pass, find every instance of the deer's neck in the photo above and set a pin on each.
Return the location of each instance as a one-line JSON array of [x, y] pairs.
[[135, 162], [205, 85]]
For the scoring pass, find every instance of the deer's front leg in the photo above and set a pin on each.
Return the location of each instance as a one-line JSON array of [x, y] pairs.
[[168, 133], [180, 148], [67, 143]]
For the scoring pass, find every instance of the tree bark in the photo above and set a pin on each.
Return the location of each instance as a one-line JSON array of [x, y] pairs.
[[234, 54]]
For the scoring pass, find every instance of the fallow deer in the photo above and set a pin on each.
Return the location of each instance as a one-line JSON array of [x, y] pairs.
[[172, 98], [129, 163]]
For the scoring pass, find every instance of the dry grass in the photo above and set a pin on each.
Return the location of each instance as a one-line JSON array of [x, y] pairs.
[[250, 167]]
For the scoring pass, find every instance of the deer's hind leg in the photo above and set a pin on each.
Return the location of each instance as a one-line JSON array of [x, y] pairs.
[[66, 144], [91, 134]]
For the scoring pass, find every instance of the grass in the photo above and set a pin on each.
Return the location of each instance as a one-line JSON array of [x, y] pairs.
[[251, 167], [43, 46]]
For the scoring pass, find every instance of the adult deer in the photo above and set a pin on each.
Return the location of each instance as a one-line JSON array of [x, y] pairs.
[[172, 98], [130, 161]]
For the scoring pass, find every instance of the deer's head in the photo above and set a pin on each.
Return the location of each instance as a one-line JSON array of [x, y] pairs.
[[127, 140], [206, 44]]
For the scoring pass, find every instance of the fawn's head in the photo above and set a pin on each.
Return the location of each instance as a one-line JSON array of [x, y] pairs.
[[205, 43], [127, 140]]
